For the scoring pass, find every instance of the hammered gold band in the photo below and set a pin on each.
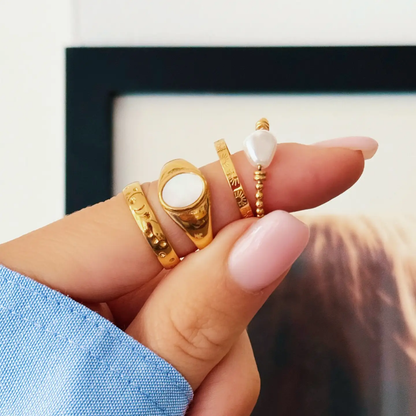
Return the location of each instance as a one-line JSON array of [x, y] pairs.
[[232, 178], [149, 225]]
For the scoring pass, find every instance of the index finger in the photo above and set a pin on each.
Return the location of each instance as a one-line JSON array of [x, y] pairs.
[[98, 254]]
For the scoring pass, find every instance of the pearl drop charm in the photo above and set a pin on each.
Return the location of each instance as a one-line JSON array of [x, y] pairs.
[[260, 148]]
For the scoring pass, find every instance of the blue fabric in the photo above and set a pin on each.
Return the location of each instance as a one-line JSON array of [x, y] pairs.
[[58, 357]]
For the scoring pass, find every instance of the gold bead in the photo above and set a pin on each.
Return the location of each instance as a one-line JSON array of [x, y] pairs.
[[260, 212], [259, 204], [163, 244], [259, 186], [259, 194], [262, 124], [259, 175]]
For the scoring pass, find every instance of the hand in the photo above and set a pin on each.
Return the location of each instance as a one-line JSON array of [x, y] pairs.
[[194, 316]]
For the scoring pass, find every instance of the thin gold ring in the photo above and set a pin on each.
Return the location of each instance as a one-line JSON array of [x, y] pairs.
[[260, 148], [232, 178], [184, 195], [149, 225]]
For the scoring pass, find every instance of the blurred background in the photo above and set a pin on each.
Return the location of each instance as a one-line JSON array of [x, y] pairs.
[[33, 36]]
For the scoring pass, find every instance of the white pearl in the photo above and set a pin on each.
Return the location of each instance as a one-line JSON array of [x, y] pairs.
[[260, 148], [182, 190]]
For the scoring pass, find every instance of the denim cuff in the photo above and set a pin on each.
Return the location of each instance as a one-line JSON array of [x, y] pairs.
[[58, 358]]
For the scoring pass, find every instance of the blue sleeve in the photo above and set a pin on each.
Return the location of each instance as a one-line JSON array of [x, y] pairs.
[[59, 358]]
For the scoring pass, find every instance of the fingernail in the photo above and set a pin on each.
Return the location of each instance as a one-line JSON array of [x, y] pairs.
[[367, 145], [267, 250]]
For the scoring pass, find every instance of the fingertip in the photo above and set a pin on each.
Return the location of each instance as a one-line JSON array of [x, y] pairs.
[[267, 250], [366, 145], [350, 166]]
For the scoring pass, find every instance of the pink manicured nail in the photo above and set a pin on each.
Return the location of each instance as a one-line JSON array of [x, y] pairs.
[[367, 145], [267, 250]]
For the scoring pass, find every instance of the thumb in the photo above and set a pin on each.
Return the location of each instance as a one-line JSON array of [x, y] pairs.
[[199, 310]]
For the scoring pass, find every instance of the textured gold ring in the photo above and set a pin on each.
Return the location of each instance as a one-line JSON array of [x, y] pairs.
[[232, 178], [184, 195], [149, 225]]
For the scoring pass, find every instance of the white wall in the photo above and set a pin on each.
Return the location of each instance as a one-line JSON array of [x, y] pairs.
[[245, 22], [33, 35], [32, 39]]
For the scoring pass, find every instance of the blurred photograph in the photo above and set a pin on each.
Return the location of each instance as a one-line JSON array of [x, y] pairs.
[[338, 338]]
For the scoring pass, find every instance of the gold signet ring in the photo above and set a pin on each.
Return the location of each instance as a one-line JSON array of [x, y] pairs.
[[184, 195]]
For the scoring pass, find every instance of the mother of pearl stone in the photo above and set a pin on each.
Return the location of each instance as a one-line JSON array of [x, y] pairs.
[[183, 190], [260, 148]]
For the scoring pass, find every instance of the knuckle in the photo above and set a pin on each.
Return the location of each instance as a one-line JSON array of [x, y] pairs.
[[252, 387], [249, 389], [198, 336]]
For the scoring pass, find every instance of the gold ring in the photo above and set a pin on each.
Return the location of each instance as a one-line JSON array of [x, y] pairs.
[[232, 178], [260, 148], [184, 195], [149, 225]]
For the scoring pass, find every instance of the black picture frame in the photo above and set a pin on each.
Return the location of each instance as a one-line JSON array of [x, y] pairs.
[[94, 76]]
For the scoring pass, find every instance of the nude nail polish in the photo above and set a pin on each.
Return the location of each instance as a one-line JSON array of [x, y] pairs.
[[267, 250], [367, 145]]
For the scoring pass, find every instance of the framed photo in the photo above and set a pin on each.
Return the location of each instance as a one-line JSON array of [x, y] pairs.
[[338, 337], [181, 94]]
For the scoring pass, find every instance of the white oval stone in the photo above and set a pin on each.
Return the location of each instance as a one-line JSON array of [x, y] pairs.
[[260, 148], [182, 190]]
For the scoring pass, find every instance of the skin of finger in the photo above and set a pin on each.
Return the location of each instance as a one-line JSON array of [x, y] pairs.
[[197, 312], [99, 254], [126, 307], [236, 372]]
